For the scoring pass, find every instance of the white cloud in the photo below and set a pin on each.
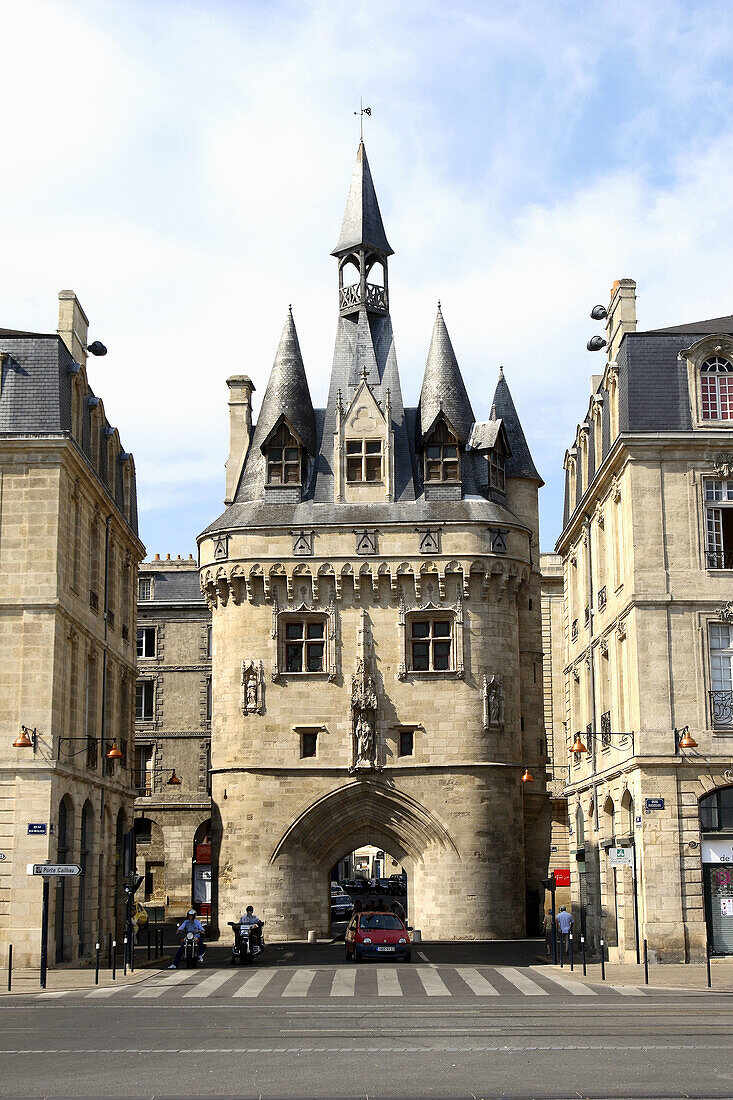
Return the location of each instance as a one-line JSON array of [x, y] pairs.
[[184, 167]]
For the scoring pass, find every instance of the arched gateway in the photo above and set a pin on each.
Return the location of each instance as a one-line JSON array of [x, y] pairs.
[[377, 664]]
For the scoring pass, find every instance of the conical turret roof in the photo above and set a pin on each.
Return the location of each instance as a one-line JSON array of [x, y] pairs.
[[362, 225], [287, 392], [520, 463], [443, 389]]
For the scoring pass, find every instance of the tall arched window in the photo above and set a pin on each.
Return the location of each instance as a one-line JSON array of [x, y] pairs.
[[716, 388], [579, 827]]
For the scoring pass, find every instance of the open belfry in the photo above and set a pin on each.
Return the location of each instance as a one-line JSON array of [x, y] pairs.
[[377, 654]]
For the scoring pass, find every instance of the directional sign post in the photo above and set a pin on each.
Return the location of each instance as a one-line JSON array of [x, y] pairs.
[[47, 871]]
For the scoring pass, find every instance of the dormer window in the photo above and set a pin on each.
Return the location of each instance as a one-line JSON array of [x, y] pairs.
[[497, 470], [442, 458], [284, 458], [364, 460], [716, 384]]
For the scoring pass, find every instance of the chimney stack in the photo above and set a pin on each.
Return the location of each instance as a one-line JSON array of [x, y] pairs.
[[240, 430], [621, 314], [73, 325]]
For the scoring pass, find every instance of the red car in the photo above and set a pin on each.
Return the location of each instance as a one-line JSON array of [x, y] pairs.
[[377, 936]]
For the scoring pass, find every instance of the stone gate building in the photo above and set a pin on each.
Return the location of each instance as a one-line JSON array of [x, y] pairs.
[[377, 652]]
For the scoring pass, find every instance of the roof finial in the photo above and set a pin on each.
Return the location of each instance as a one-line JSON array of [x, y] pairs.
[[439, 305], [290, 309], [363, 372], [361, 112], [501, 370], [493, 411]]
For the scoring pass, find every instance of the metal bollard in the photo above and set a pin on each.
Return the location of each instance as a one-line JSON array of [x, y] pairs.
[[148, 941], [571, 952], [562, 950], [603, 961], [646, 965], [113, 954], [124, 956], [132, 953], [707, 959], [582, 948], [10, 966], [96, 969]]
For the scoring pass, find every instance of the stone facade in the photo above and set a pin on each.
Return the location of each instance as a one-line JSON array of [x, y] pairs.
[[646, 560], [69, 553], [377, 652], [172, 736]]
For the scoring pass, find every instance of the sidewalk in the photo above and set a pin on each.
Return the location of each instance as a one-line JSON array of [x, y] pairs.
[[66, 979], [683, 976]]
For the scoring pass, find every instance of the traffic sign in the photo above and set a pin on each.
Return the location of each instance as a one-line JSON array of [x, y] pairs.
[[621, 857], [653, 803], [46, 870]]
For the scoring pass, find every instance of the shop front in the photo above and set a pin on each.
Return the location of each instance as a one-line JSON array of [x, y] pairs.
[[716, 820]]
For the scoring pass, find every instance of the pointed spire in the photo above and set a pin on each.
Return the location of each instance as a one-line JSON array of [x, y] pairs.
[[520, 463], [362, 225], [364, 364], [287, 392], [443, 389]]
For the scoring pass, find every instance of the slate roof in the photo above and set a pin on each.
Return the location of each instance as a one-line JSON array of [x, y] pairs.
[[443, 389], [698, 328], [362, 225], [172, 585], [35, 399], [484, 434], [288, 395], [519, 463]]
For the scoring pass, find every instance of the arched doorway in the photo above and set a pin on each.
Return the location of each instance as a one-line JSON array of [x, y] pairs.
[[64, 852], [201, 873], [345, 820], [716, 825], [86, 878]]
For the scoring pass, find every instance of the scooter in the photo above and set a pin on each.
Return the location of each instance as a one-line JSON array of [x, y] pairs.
[[191, 949], [248, 942]]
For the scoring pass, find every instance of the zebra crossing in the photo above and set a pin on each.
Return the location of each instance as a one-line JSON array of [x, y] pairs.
[[368, 983]]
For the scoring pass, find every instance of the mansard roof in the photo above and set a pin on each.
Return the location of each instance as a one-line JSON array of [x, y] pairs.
[[713, 325], [520, 462], [362, 225], [443, 389]]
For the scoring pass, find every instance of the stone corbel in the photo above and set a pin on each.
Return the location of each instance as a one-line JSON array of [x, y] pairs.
[[615, 490], [222, 590]]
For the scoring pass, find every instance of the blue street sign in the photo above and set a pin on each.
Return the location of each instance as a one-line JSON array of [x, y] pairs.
[[37, 828], [654, 803]]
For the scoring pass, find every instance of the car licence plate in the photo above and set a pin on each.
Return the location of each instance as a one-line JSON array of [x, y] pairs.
[[385, 949]]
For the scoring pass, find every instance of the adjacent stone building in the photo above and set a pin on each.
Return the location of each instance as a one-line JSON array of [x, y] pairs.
[[172, 738], [647, 552], [69, 552], [377, 651]]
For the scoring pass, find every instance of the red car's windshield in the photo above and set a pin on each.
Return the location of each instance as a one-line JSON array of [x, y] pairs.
[[380, 920]]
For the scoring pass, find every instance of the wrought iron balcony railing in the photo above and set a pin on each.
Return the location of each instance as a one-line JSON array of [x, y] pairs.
[[721, 706], [93, 600], [601, 598], [574, 630], [587, 616], [720, 559]]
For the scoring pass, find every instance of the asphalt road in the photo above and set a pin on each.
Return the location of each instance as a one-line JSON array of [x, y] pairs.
[[464, 1020]]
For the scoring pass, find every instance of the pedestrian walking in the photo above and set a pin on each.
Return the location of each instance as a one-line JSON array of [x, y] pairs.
[[565, 922], [547, 931]]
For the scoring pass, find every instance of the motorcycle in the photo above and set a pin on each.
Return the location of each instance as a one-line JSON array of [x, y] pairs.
[[191, 949], [248, 942]]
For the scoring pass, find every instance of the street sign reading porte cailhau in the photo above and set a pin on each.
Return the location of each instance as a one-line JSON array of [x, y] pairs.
[[48, 869]]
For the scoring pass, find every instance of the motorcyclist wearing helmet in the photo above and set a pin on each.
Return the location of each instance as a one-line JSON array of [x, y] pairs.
[[249, 918], [190, 924]]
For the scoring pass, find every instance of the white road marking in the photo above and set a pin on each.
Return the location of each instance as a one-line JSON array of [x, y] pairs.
[[570, 984], [254, 984], [343, 983], [105, 991], [299, 984], [521, 981], [208, 985], [388, 983], [156, 989], [476, 982], [628, 990], [432, 984]]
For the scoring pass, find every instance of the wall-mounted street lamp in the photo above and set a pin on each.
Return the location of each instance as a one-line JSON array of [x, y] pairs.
[[683, 739], [26, 739], [527, 777], [577, 747]]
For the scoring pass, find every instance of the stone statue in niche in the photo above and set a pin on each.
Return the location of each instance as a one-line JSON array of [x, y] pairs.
[[493, 692], [364, 735], [253, 688]]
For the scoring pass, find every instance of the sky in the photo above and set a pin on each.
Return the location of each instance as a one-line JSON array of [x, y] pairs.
[[183, 166]]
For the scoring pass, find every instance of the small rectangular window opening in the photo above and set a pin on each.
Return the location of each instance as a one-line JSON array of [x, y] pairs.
[[305, 643], [407, 742], [144, 700], [146, 641], [145, 588], [308, 744]]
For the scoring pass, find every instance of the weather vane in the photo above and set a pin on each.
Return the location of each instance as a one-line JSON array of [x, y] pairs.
[[361, 112]]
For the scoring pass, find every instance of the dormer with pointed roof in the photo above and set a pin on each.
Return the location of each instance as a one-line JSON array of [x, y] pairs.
[[362, 248], [519, 462], [285, 436], [443, 390]]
